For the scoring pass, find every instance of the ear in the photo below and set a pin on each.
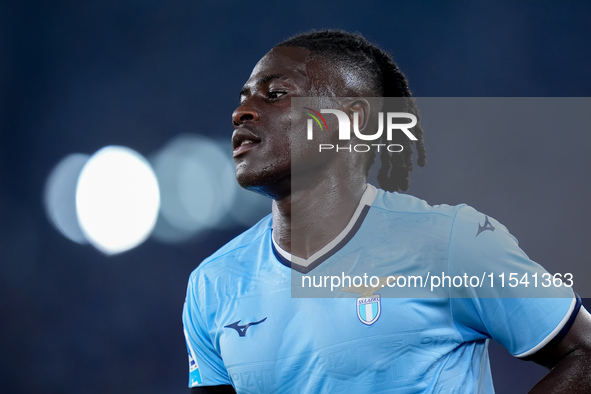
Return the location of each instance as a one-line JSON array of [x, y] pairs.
[[363, 109]]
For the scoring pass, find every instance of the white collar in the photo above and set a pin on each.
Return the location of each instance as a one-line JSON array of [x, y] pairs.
[[306, 265]]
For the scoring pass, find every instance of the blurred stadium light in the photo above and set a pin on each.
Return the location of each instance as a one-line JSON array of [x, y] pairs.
[[115, 198], [198, 188], [60, 196]]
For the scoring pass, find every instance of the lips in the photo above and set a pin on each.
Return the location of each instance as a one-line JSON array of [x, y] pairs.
[[243, 140]]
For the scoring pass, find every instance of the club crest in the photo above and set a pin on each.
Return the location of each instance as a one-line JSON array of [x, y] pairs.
[[369, 309], [369, 306]]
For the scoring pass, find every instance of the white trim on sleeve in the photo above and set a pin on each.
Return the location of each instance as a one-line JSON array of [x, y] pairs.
[[554, 332]]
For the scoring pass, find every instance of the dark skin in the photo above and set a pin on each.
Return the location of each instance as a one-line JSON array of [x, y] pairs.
[[569, 361], [266, 163]]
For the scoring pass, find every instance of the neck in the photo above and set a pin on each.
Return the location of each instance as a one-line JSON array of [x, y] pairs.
[[312, 216]]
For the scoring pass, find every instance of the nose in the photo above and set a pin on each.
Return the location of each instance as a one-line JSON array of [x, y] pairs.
[[244, 113]]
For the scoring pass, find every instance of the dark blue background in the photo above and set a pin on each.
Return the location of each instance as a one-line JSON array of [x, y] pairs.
[[76, 76]]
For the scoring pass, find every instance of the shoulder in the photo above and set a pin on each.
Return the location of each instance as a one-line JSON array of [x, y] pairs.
[[407, 204], [459, 224], [415, 215], [462, 217], [236, 255], [480, 230]]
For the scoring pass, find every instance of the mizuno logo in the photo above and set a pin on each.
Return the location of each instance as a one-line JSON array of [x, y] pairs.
[[485, 226], [241, 330]]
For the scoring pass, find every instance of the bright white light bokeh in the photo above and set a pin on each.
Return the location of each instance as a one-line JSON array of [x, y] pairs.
[[60, 196], [117, 199], [114, 200]]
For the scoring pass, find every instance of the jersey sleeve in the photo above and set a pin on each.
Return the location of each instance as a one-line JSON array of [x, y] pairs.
[[515, 301], [206, 367]]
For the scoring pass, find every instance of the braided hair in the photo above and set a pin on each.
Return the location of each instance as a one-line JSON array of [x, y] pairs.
[[383, 77]]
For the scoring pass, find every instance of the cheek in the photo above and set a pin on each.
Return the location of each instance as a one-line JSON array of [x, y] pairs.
[[305, 152], [281, 138], [306, 155], [298, 143]]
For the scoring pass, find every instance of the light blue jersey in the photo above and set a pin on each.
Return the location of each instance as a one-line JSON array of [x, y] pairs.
[[254, 319]]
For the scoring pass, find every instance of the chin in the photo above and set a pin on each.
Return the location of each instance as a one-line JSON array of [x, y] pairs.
[[245, 182], [246, 178], [264, 185]]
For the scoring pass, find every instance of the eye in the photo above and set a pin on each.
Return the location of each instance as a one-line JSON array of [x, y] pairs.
[[274, 95]]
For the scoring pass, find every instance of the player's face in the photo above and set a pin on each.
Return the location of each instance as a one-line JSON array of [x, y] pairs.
[[262, 121]]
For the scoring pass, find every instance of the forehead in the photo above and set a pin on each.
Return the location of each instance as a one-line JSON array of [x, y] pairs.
[[284, 60], [307, 71], [281, 63]]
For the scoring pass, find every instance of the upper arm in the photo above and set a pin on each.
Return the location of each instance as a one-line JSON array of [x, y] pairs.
[[206, 367], [577, 341], [524, 313], [569, 360]]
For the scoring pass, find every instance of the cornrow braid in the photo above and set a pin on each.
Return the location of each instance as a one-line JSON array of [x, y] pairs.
[[381, 74]]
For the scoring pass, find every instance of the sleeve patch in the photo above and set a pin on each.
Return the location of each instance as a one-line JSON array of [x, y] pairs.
[[194, 374]]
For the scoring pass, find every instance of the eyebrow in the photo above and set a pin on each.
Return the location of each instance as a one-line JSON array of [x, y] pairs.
[[261, 81]]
